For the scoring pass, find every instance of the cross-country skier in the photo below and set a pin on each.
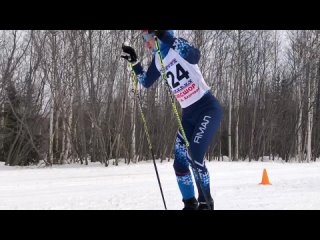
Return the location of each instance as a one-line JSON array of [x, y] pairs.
[[201, 111]]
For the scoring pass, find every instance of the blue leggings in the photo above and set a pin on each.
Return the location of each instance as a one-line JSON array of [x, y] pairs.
[[200, 121]]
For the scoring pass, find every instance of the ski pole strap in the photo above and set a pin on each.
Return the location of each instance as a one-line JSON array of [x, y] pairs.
[[134, 80]]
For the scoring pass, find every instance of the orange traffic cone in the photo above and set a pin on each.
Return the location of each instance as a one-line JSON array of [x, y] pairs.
[[265, 179]]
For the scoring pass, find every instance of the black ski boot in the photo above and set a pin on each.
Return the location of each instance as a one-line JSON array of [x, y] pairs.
[[190, 204], [204, 206]]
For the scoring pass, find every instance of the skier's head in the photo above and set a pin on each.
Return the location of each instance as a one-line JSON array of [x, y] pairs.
[[148, 39]]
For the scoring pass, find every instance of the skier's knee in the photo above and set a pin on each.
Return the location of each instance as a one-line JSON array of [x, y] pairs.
[[176, 166], [180, 167]]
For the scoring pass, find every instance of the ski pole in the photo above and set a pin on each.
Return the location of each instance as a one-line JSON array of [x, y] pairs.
[[135, 84], [174, 108]]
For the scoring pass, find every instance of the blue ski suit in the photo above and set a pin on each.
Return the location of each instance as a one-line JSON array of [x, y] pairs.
[[201, 111]]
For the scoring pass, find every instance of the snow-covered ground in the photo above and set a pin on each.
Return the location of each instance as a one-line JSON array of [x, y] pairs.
[[235, 185]]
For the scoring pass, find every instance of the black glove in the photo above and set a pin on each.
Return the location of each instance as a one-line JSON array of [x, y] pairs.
[[131, 55], [158, 33]]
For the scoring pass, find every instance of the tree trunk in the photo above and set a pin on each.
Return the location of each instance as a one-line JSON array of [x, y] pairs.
[[51, 130], [230, 121], [2, 153], [56, 134], [133, 135], [69, 125], [299, 125], [63, 140], [310, 113], [237, 100]]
